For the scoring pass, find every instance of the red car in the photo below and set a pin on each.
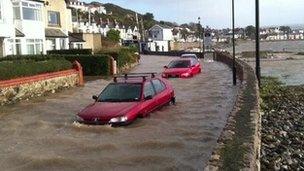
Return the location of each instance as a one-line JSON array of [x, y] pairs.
[[182, 68], [128, 97]]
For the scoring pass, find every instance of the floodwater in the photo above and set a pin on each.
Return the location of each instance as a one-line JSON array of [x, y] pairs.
[[40, 134], [291, 46], [290, 72]]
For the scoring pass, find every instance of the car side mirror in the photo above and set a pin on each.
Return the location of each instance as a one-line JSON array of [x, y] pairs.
[[95, 97], [166, 67], [149, 97]]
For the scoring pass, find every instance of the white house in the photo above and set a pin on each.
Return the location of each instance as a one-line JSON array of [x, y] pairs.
[[76, 4], [29, 26], [160, 37], [7, 29]]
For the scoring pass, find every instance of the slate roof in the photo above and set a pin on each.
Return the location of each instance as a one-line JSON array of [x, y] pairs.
[[55, 33]]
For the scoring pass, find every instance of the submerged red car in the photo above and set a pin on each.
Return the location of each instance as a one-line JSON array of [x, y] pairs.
[[182, 68], [127, 98]]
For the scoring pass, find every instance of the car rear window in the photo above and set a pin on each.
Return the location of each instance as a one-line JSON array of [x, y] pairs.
[[180, 64]]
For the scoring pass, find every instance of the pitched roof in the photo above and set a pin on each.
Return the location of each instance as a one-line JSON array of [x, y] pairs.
[[19, 33], [74, 37], [161, 26], [56, 33]]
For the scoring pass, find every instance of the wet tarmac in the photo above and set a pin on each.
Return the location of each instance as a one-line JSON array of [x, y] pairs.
[[40, 134]]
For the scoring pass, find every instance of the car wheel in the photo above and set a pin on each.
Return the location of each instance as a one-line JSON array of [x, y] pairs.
[[172, 101]]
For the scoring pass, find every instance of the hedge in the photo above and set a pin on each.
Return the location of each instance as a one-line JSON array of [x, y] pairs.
[[23, 68], [70, 52], [93, 65]]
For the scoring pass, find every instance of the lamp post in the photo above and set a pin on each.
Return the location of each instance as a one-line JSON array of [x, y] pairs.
[[200, 33], [257, 41], [233, 44]]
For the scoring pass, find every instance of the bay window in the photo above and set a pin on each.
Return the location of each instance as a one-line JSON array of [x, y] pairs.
[[34, 46]]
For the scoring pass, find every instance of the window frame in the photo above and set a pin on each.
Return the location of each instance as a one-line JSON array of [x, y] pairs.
[[58, 24], [33, 6], [149, 82], [161, 83], [35, 43]]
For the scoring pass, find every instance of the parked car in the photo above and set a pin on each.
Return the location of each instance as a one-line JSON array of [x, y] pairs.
[[127, 98], [182, 68], [194, 56]]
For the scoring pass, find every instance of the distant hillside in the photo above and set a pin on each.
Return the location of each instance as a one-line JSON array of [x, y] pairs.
[[128, 17]]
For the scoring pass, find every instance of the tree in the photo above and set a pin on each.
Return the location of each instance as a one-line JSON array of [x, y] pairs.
[[184, 34], [148, 16], [250, 32], [113, 35], [285, 29]]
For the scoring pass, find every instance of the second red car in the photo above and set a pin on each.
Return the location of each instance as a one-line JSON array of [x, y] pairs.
[[182, 68]]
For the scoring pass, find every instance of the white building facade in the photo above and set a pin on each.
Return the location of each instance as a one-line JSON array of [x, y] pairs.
[[29, 38], [160, 38], [7, 30]]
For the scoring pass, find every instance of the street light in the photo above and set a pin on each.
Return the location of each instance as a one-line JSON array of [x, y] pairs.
[[257, 41], [200, 33], [233, 44]]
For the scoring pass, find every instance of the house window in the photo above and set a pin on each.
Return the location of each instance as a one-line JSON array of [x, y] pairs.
[[18, 47], [34, 46], [79, 45], [53, 18], [52, 43], [31, 11], [62, 44]]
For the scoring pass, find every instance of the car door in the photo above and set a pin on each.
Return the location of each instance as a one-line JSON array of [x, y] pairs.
[[162, 96], [196, 66], [148, 105]]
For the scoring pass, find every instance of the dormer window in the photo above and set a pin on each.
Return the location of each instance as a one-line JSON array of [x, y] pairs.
[[53, 18]]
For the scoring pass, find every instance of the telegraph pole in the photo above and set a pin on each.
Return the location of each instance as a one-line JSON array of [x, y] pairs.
[[233, 44], [257, 41]]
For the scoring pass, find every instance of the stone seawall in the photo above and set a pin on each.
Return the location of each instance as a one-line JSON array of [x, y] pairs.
[[238, 147], [33, 86]]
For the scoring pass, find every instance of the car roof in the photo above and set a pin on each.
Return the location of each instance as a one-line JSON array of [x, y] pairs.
[[135, 78], [189, 54]]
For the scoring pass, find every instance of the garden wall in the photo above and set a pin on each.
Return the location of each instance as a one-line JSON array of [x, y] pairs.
[[238, 147], [27, 87]]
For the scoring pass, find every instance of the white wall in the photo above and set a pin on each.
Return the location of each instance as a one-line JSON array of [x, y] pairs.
[[159, 46], [167, 33], [6, 23]]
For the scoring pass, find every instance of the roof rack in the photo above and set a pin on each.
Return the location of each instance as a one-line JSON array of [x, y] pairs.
[[136, 75]]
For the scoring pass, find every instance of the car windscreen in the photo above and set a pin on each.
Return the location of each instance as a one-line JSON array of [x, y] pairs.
[[179, 64], [121, 92]]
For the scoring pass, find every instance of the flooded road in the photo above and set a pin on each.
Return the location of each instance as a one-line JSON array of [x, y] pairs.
[[40, 134]]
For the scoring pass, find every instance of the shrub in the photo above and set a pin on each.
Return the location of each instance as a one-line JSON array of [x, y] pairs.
[[113, 35], [92, 65], [70, 51], [23, 68], [123, 56]]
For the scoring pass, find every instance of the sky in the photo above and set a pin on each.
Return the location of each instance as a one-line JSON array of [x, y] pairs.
[[217, 13]]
